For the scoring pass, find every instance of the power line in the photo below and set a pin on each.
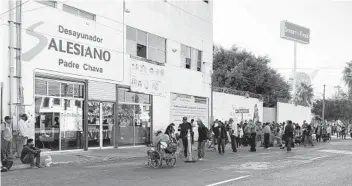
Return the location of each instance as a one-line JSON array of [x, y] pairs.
[[13, 8]]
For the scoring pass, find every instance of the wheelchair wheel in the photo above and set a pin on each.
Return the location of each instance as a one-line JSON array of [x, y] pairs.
[[155, 159], [171, 162]]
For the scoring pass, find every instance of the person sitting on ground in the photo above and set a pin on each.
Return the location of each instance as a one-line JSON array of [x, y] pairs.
[[30, 153]]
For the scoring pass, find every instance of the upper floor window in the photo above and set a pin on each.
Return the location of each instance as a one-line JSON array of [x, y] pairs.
[[191, 58], [48, 3], [145, 45], [78, 12]]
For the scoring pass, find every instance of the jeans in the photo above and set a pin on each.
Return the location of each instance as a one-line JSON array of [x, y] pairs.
[[5, 149], [308, 139], [266, 140], [253, 142], [185, 146], [201, 149], [238, 141], [233, 143], [29, 159], [221, 146], [289, 143]]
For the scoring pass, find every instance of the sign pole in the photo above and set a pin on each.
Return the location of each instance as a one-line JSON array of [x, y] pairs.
[[294, 72]]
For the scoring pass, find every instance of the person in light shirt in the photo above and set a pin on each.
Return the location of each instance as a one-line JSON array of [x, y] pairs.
[[24, 130], [233, 134]]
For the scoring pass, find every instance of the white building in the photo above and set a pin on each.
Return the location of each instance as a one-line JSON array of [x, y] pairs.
[[105, 73]]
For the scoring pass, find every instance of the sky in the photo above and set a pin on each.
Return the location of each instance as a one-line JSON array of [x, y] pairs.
[[254, 25]]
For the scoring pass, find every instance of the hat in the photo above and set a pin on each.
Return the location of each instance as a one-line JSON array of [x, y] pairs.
[[29, 140], [24, 115], [184, 118], [7, 118]]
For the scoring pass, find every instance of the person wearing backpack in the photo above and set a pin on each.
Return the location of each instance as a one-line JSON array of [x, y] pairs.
[[202, 138]]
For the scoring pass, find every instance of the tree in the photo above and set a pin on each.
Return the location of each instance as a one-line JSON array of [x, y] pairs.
[[241, 70], [334, 109], [304, 94], [347, 77]]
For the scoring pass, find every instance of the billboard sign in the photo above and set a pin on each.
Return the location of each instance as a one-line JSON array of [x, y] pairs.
[[295, 32], [242, 111]]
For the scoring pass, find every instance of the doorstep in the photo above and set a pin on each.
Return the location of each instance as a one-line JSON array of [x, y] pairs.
[[91, 156]]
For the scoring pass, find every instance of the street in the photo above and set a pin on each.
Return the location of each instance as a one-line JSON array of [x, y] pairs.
[[325, 164]]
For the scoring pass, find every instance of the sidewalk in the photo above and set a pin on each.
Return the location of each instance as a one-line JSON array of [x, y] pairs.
[[90, 156]]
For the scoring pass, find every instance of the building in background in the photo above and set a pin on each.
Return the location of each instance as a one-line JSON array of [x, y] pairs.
[[98, 74]]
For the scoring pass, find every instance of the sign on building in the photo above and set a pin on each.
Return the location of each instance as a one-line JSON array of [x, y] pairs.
[[295, 32], [242, 111], [147, 78]]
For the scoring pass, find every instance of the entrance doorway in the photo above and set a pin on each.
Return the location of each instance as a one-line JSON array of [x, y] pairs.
[[101, 124], [134, 118]]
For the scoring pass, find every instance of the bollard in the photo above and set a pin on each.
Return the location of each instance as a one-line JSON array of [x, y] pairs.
[[190, 159]]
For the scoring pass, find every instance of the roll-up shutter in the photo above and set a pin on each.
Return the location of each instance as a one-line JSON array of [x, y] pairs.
[[101, 91]]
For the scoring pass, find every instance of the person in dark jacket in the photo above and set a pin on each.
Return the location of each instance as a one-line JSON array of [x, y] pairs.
[[202, 138], [289, 130], [221, 136], [183, 128], [30, 153]]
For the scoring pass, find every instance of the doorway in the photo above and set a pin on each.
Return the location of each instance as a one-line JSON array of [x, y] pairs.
[[101, 124]]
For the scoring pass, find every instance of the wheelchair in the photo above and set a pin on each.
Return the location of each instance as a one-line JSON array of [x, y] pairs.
[[162, 153]]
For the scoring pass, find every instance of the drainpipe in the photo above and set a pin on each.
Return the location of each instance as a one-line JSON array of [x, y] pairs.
[[18, 57], [10, 55]]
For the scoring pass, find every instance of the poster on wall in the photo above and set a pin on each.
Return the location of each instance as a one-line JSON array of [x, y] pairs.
[[192, 107], [147, 78]]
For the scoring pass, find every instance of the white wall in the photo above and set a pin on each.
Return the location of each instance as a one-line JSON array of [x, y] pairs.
[[226, 104], [297, 114], [171, 21], [269, 114]]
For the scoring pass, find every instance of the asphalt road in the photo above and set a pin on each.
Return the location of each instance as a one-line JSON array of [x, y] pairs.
[[327, 163]]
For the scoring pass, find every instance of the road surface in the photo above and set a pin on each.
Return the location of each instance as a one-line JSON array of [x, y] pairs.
[[327, 164]]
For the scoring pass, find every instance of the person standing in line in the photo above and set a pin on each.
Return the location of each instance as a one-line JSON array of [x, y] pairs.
[[328, 130], [239, 136], [289, 131], [6, 139], [183, 128], [259, 133], [308, 137], [338, 131], [233, 134], [202, 138], [221, 136], [24, 133], [267, 133], [252, 130]]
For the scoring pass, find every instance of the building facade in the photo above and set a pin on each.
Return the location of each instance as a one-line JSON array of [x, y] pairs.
[[96, 74]]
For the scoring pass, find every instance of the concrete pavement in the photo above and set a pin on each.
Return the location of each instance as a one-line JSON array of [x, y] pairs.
[[324, 164]]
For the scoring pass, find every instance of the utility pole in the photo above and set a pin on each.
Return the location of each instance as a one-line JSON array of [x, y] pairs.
[[338, 91], [323, 112]]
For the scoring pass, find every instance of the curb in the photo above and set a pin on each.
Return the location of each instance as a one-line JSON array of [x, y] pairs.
[[92, 160]]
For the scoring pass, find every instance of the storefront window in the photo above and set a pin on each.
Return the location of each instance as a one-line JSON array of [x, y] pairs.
[[59, 118], [134, 118]]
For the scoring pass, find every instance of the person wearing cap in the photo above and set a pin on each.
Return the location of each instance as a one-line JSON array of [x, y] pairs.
[[183, 129], [31, 153], [24, 133], [6, 138]]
